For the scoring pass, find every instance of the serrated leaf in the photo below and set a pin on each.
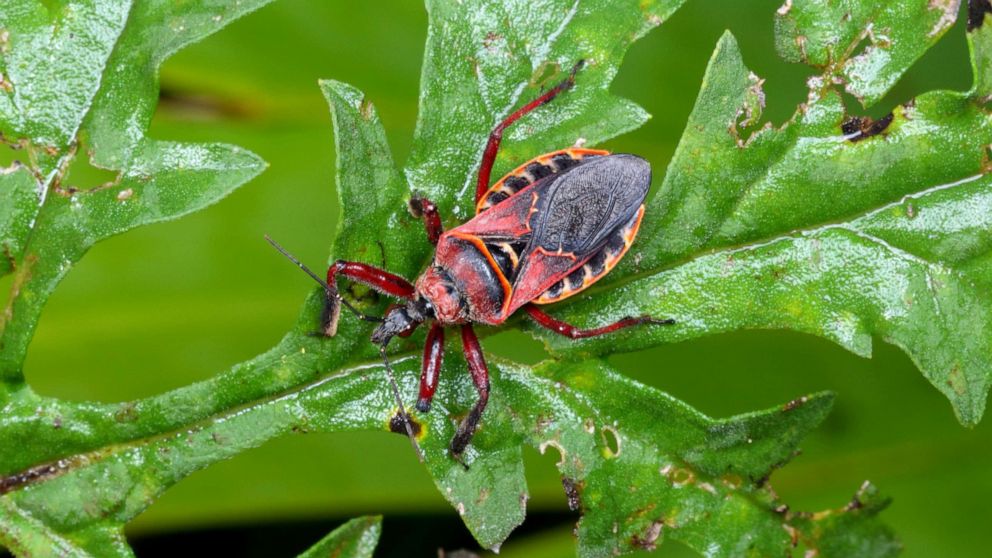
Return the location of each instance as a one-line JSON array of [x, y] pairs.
[[869, 45], [371, 189], [879, 231], [84, 73], [54, 57], [355, 539], [703, 479], [83, 470]]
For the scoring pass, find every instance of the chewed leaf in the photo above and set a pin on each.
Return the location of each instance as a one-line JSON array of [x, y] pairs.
[[869, 45], [640, 465], [833, 226], [703, 480], [355, 539]]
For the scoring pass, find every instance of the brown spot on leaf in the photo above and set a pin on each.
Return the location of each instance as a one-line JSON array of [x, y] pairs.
[[491, 39], [398, 426], [365, 108], [793, 533], [126, 413], [650, 537], [956, 380], [795, 404], [976, 13], [483, 496], [34, 474], [863, 127]]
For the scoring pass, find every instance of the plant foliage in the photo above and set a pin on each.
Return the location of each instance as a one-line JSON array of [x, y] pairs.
[[832, 224]]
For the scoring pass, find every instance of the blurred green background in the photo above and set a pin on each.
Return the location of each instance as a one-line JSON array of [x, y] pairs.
[[174, 303]]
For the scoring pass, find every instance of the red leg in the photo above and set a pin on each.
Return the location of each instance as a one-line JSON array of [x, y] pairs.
[[480, 377], [433, 356], [492, 147], [378, 279], [423, 207], [568, 330]]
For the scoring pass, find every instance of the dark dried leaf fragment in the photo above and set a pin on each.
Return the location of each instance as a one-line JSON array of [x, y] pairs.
[[863, 127], [976, 13], [573, 489]]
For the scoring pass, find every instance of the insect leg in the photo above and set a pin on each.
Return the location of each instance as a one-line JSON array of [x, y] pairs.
[[496, 136], [480, 377], [568, 330], [425, 208], [433, 356], [378, 279]]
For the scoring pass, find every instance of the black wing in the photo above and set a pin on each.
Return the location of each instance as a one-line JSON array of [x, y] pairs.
[[578, 210]]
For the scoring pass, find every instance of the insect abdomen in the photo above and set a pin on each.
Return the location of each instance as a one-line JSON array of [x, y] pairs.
[[532, 171]]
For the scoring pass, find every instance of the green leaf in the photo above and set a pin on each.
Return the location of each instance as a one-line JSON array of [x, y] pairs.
[[54, 57], [868, 45], [82, 75], [355, 539], [483, 59], [83, 470], [805, 227], [703, 480], [371, 189]]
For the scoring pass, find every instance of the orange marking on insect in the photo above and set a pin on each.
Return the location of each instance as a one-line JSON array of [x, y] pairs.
[[532, 210], [514, 258], [610, 263], [557, 253]]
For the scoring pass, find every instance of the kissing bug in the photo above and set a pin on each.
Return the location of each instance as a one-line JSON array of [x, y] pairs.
[[544, 232]]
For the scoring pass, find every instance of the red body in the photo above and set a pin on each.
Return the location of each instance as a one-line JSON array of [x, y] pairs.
[[571, 206]]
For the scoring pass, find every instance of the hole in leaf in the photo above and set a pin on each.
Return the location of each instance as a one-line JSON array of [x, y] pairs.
[[546, 73], [611, 441], [554, 444], [8, 156], [681, 476]]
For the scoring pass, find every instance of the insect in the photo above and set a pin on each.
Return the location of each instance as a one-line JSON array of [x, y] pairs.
[[544, 232]]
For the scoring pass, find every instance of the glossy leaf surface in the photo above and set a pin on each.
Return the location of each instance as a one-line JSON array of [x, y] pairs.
[[641, 465], [355, 539], [832, 224]]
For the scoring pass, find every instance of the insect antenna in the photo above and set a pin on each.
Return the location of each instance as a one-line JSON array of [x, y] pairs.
[[331, 291], [399, 401], [382, 349]]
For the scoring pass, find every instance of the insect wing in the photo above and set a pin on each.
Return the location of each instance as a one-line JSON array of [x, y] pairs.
[[572, 216]]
